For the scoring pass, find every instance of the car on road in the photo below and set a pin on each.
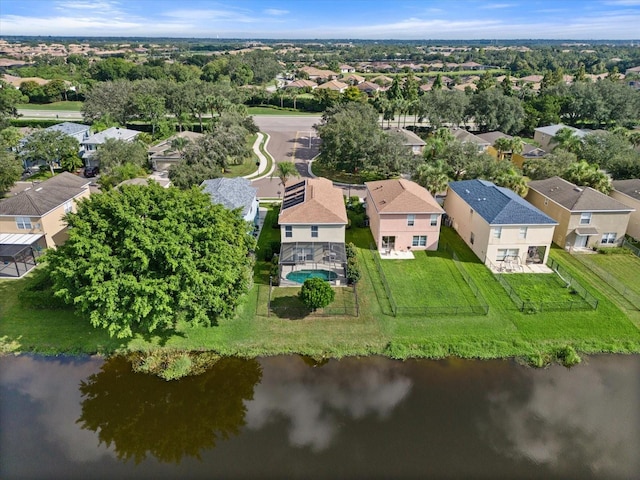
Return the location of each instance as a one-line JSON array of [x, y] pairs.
[[91, 171]]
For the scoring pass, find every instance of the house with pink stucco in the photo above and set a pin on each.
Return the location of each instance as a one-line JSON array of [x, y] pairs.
[[403, 216]]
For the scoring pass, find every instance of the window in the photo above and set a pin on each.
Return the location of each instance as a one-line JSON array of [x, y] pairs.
[[472, 238], [506, 253], [585, 218], [609, 237], [419, 241], [434, 220], [288, 231], [411, 219], [497, 232], [68, 206], [314, 231], [23, 223], [523, 232]]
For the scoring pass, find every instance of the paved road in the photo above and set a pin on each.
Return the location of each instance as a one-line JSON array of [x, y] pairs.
[[63, 115]]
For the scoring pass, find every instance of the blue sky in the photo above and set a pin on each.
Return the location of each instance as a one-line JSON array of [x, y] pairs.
[[325, 19]]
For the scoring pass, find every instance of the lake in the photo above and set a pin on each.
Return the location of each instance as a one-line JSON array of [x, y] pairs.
[[289, 417]]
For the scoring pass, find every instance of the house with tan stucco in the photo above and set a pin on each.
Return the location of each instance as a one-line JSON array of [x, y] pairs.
[[505, 231], [587, 218], [312, 220], [628, 192], [32, 220]]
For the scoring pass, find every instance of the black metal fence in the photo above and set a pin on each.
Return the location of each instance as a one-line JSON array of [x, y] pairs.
[[632, 247], [587, 300], [286, 310], [432, 310]]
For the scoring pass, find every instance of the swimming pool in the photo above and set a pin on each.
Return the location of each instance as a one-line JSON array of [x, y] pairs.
[[300, 276]]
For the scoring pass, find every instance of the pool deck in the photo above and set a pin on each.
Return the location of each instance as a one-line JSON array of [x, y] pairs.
[[341, 280]]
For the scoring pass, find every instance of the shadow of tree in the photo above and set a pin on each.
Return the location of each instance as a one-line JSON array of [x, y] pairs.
[[289, 307]]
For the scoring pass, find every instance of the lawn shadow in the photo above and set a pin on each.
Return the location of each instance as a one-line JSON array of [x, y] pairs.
[[289, 307]]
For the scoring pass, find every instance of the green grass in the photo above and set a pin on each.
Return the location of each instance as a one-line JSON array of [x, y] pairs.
[[338, 176], [502, 333], [429, 280], [272, 110], [541, 288], [624, 267], [248, 166], [55, 106]]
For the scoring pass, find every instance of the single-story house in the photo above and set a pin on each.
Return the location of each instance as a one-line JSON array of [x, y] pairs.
[[317, 74], [544, 135], [335, 85], [353, 79], [312, 220], [92, 143], [40, 209], [369, 88], [502, 229], [302, 83], [528, 151], [402, 215], [628, 192], [163, 155], [586, 217], [235, 194], [410, 139]]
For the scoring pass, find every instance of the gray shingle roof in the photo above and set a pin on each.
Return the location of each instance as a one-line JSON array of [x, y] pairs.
[[553, 129], [628, 187], [574, 198], [69, 128], [44, 197], [113, 132], [498, 205], [233, 193]]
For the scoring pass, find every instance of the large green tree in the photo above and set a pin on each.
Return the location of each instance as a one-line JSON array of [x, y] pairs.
[[10, 98], [493, 110], [50, 146], [10, 170], [143, 258], [316, 293], [120, 160]]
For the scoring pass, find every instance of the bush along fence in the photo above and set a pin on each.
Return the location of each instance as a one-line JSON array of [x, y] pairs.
[[450, 310], [630, 295], [586, 300], [632, 247]]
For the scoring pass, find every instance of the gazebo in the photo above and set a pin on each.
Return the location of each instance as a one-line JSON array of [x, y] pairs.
[[18, 253]]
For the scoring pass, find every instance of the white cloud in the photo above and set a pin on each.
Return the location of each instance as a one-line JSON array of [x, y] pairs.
[[492, 6], [220, 15], [276, 12]]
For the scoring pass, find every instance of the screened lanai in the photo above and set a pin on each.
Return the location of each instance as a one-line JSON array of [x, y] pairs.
[[312, 255], [18, 253]]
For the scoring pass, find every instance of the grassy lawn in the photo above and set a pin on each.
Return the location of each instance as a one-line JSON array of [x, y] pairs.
[[248, 166], [501, 333], [55, 106], [337, 176], [624, 267], [542, 288], [271, 110], [429, 280]]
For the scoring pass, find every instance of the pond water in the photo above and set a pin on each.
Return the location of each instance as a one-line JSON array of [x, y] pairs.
[[287, 417]]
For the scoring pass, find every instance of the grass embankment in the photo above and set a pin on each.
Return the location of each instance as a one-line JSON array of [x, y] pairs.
[[248, 166], [502, 333], [70, 106]]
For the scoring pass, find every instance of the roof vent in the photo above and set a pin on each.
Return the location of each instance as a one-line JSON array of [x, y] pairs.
[[38, 189], [466, 191], [578, 189]]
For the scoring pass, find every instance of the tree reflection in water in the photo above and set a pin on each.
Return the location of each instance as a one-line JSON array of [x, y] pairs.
[[144, 415]]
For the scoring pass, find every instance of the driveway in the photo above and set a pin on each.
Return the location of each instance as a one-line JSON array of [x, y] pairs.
[[292, 139]]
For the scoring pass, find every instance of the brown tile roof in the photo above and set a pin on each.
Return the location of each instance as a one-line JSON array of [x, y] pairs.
[[44, 197], [628, 187], [334, 85], [302, 83], [322, 203], [401, 196], [574, 198]]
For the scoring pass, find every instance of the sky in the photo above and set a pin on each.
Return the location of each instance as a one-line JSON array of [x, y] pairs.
[[326, 19]]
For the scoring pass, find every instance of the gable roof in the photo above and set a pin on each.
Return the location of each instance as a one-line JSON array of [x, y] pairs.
[[113, 132], [334, 85], [302, 83], [233, 193], [491, 137], [630, 187], [69, 128], [44, 197], [464, 136], [401, 196], [574, 198], [408, 137], [552, 130], [498, 205], [319, 202]]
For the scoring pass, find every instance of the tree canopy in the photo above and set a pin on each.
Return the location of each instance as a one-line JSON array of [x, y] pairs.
[[53, 147], [143, 258], [10, 169]]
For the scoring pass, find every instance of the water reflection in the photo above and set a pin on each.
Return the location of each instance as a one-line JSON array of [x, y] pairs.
[[585, 416], [313, 400], [142, 415]]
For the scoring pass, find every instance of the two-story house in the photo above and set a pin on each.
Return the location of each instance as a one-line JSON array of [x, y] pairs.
[[91, 144], [312, 220], [402, 216], [628, 192], [501, 228], [587, 218], [40, 209]]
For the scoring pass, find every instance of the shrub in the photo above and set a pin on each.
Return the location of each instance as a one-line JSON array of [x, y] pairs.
[[274, 270], [568, 356], [351, 250], [353, 270], [316, 293]]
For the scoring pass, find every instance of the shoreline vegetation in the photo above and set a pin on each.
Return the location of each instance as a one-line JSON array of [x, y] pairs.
[[535, 339]]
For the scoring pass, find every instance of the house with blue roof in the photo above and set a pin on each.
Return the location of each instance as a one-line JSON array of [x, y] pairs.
[[235, 194], [505, 231]]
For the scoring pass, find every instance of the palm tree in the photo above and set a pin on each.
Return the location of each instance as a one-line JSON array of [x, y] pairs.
[[517, 145], [284, 171], [566, 139], [502, 145], [433, 177]]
